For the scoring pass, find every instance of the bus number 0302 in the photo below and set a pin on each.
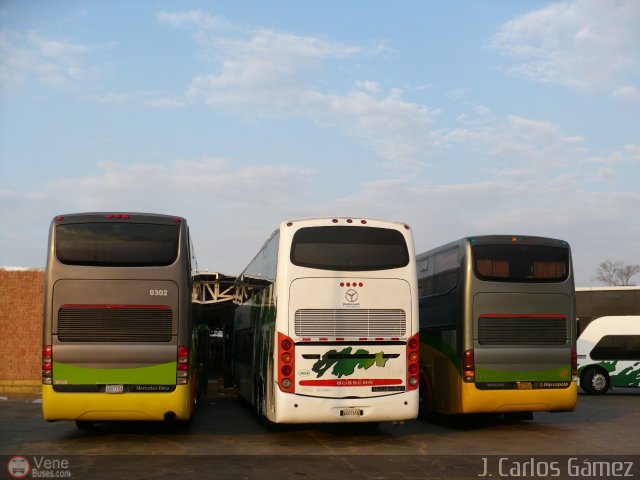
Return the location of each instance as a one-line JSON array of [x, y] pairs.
[[158, 293]]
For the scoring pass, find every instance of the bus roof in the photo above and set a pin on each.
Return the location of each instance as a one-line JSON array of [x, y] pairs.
[[495, 239], [612, 325], [607, 289], [353, 221], [508, 239], [110, 216]]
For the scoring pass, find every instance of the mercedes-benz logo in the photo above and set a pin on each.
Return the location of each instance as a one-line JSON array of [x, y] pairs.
[[351, 295]]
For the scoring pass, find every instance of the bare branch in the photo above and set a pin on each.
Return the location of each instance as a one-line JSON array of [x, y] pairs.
[[616, 273]]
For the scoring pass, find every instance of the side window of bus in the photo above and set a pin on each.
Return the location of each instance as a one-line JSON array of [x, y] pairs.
[[438, 295], [425, 273], [446, 271], [617, 347]]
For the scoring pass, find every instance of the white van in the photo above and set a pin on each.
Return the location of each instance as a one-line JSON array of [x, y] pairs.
[[609, 354]]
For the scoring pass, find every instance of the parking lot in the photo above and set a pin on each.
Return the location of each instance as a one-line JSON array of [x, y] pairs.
[[226, 440]]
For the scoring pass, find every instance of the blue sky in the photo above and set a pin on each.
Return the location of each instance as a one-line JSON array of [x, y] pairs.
[[459, 118]]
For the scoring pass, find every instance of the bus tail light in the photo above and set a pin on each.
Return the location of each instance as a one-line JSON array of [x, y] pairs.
[[286, 363], [468, 366], [47, 365], [182, 373], [574, 365], [413, 363]]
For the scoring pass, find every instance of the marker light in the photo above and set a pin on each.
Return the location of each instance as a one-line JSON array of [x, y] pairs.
[[413, 364], [47, 364], [286, 363], [468, 366], [183, 365]]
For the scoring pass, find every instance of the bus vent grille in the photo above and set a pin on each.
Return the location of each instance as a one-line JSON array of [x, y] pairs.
[[522, 331], [108, 324], [351, 323]]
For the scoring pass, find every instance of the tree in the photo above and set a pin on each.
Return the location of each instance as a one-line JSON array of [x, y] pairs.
[[616, 273]]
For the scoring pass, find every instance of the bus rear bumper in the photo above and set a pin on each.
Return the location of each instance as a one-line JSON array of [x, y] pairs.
[[125, 406], [502, 401], [302, 409]]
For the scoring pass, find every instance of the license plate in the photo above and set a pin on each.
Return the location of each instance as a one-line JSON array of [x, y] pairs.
[[351, 412], [114, 389], [524, 386]]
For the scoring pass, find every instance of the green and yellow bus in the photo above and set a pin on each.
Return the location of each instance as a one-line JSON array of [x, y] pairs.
[[497, 326], [119, 341]]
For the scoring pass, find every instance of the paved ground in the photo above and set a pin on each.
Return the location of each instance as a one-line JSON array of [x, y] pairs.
[[226, 440]]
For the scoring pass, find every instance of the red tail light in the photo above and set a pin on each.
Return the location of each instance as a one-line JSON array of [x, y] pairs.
[[47, 365], [286, 363], [182, 373], [574, 365], [413, 363], [468, 366]]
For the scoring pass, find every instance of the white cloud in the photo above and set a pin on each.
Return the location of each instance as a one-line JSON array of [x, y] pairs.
[[109, 98], [147, 185], [167, 102], [192, 17], [231, 208], [397, 130], [280, 74], [627, 94], [53, 62], [606, 174], [268, 70], [582, 44], [518, 143], [627, 155]]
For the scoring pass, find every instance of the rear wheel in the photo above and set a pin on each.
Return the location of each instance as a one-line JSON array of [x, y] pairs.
[[595, 381], [518, 416], [84, 424]]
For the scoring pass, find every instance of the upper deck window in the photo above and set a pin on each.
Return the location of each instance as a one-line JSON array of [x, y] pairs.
[[117, 244], [352, 248], [521, 263]]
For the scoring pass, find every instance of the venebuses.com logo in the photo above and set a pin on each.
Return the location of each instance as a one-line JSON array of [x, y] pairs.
[[18, 467], [38, 467]]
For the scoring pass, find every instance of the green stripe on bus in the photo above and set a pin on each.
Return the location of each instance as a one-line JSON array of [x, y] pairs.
[[445, 349], [549, 375], [162, 374]]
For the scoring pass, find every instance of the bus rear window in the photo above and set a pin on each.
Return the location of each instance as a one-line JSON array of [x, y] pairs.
[[349, 248], [117, 244], [521, 263]]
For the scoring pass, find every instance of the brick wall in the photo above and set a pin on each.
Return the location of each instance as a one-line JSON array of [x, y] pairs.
[[21, 299]]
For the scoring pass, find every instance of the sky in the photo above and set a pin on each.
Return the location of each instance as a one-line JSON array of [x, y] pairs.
[[457, 117]]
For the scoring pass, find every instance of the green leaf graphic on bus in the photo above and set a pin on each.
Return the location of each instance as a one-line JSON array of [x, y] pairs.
[[344, 363], [629, 377]]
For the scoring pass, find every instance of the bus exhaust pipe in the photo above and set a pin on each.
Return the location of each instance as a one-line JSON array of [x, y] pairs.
[[169, 417]]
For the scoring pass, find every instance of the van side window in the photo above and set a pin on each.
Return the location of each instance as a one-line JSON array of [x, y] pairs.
[[617, 347]]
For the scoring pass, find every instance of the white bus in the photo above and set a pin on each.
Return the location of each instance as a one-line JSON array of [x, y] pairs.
[[609, 345], [327, 327]]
